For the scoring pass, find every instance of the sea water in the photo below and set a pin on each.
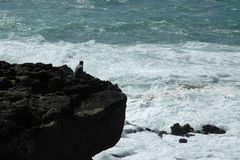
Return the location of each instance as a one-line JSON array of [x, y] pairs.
[[152, 49]]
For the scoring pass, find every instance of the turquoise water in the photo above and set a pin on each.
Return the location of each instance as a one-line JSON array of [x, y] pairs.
[[123, 21]]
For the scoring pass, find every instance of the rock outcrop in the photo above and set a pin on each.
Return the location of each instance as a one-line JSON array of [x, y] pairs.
[[47, 114]]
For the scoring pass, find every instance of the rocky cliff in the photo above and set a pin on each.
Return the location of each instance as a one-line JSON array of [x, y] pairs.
[[47, 114]]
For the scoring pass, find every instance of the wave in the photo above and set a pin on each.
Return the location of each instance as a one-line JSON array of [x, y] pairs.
[[196, 83], [133, 65]]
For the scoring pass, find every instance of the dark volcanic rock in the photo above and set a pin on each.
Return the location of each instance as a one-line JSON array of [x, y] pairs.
[[47, 114], [182, 140], [206, 129], [176, 129]]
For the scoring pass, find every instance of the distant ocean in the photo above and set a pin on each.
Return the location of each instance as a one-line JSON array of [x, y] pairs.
[[151, 48]]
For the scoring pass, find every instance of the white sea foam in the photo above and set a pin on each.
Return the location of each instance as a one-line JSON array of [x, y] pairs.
[[195, 83]]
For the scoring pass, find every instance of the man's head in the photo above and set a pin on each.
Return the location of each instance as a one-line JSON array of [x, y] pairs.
[[81, 62]]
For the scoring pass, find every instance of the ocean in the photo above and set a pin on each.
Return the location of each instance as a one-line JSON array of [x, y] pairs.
[[152, 49]]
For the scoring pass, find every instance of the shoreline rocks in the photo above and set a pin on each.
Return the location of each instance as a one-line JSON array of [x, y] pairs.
[[183, 140], [45, 113], [184, 130], [210, 129], [176, 130]]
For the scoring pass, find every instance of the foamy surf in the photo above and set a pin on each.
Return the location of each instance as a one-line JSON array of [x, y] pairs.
[[196, 83]]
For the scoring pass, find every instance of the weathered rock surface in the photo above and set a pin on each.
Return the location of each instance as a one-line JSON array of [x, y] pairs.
[[47, 114]]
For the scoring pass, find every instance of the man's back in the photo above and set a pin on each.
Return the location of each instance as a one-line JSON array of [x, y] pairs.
[[79, 70]]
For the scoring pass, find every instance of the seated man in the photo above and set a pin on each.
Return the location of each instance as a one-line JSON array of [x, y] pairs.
[[79, 70]]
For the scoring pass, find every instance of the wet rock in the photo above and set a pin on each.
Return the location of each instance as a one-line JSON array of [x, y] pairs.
[[176, 129], [189, 86], [45, 113], [134, 130], [123, 154], [161, 133], [187, 128], [189, 135], [206, 129], [182, 140]]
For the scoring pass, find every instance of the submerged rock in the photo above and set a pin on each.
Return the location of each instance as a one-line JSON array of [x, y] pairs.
[[135, 128], [189, 86], [182, 140], [45, 113]]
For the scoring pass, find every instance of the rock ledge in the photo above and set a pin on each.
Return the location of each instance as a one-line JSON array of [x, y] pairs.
[[45, 113]]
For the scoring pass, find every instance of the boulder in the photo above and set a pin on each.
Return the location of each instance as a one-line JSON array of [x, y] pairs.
[[45, 113], [178, 130], [182, 140], [206, 129]]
